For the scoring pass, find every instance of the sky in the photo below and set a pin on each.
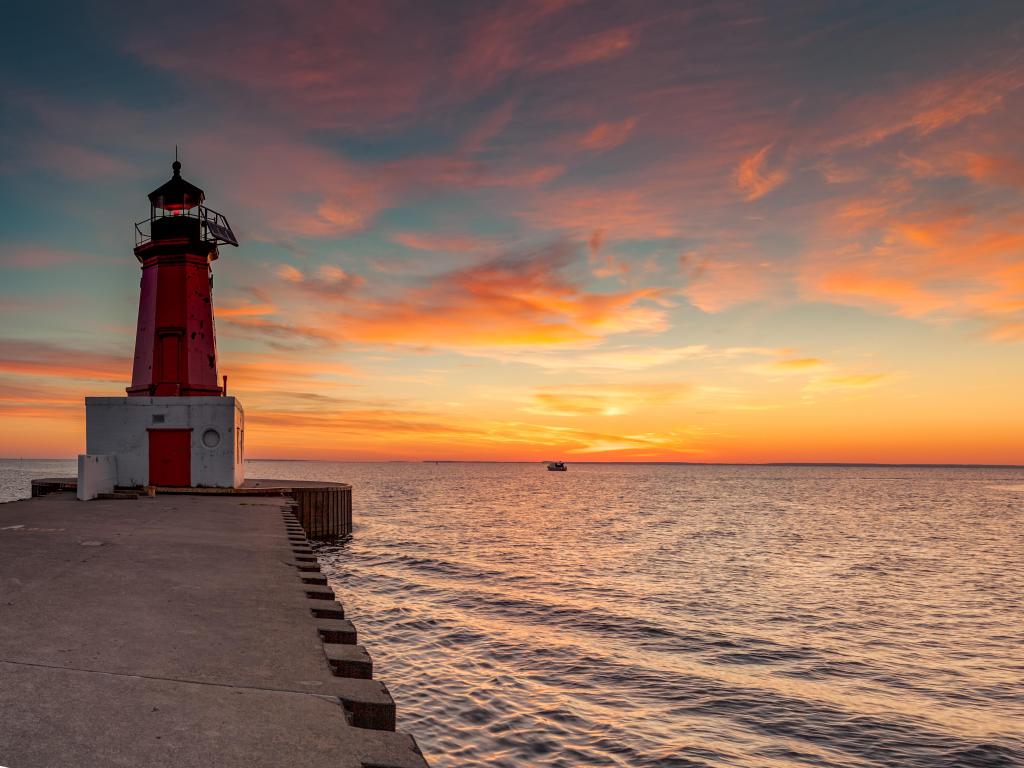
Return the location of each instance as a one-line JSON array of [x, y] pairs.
[[542, 229]]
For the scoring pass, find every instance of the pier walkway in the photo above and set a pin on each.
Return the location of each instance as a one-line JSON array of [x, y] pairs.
[[179, 631]]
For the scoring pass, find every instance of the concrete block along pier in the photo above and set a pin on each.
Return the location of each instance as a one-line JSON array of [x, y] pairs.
[[187, 629]]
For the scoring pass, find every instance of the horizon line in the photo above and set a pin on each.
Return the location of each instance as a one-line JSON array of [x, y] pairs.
[[921, 465]]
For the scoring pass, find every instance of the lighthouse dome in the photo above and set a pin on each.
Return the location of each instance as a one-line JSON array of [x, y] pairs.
[[176, 194]]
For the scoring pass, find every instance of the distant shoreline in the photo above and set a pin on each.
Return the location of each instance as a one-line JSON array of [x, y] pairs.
[[623, 463], [715, 463]]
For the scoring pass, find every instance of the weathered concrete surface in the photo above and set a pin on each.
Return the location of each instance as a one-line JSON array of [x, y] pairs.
[[323, 510], [171, 631]]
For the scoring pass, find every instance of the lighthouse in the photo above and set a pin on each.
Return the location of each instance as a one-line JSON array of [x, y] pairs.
[[177, 427], [175, 348]]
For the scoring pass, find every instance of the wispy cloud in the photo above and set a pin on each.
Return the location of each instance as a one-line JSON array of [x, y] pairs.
[[607, 400], [852, 381], [24, 357], [755, 178], [449, 243], [513, 301], [605, 136]]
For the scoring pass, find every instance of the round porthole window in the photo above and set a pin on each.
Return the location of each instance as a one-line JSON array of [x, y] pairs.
[[211, 438]]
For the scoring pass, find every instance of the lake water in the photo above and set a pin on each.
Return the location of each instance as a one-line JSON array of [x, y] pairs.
[[672, 616]]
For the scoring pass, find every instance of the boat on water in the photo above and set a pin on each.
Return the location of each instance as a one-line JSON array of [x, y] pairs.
[[556, 466]]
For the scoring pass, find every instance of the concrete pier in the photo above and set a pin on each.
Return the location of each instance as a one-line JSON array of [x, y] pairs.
[[179, 630], [323, 509]]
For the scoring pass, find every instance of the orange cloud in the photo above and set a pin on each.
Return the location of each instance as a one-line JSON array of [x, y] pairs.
[[606, 400], [35, 358], [937, 262], [924, 108], [518, 301], [623, 358], [290, 273], [605, 136], [510, 38], [1004, 170], [849, 381], [246, 309], [39, 394], [295, 189], [498, 41], [284, 371], [1007, 332], [274, 333], [334, 275], [863, 285], [798, 363], [330, 280], [714, 284], [754, 179], [335, 216], [604, 265], [790, 366], [464, 172], [621, 213], [601, 46], [42, 257], [318, 66], [434, 241]]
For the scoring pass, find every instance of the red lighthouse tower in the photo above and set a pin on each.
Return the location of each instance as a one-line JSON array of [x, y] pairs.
[[177, 426], [175, 344]]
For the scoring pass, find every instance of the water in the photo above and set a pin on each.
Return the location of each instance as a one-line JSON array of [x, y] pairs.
[[16, 475], [679, 616]]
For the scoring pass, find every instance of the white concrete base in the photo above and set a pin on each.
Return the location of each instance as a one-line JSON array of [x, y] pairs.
[[96, 475], [119, 427]]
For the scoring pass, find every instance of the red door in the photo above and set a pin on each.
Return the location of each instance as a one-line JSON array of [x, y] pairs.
[[170, 457]]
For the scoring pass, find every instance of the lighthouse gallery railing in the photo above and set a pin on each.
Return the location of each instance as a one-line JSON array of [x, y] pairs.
[[214, 227]]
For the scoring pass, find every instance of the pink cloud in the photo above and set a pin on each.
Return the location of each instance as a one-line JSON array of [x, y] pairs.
[[605, 136], [520, 301], [715, 283], [290, 188], [488, 128], [352, 65], [330, 279], [42, 257], [80, 162], [439, 241], [923, 108], [621, 213], [600, 46], [1002, 170], [527, 36], [754, 178], [290, 273], [23, 357], [938, 262]]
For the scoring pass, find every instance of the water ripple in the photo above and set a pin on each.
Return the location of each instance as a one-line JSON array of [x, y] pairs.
[[691, 616]]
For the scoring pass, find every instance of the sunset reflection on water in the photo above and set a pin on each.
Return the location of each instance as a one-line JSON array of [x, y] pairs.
[[689, 616]]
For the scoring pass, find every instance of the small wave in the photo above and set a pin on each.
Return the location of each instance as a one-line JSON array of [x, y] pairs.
[[681, 617]]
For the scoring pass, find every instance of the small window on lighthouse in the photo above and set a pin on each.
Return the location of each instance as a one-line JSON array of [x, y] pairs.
[[211, 438], [158, 418]]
